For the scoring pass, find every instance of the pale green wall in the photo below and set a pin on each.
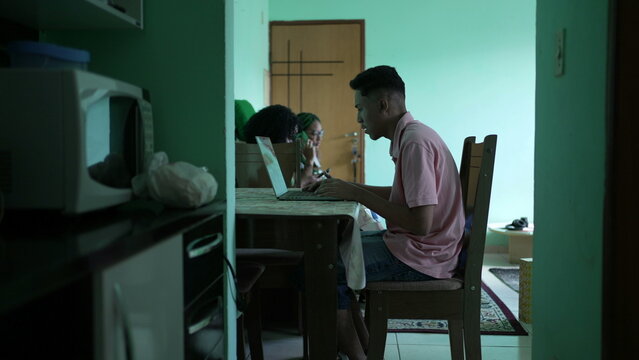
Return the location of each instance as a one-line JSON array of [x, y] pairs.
[[569, 181], [469, 68], [184, 56], [251, 50]]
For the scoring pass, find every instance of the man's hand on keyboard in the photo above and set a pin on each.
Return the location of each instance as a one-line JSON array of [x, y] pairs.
[[312, 187], [337, 188]]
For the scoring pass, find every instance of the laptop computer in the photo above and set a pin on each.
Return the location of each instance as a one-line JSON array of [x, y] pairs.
[[277, 179]]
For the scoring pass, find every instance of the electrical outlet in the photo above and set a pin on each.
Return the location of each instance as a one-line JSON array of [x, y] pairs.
[[560, 52]]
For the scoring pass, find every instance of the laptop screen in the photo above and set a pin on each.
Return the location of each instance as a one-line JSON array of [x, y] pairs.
[[272, 166]]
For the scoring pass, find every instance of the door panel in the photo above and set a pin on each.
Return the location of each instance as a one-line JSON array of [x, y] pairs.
[[311, 66]]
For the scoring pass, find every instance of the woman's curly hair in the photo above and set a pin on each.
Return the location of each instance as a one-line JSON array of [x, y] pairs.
[[277, 122]]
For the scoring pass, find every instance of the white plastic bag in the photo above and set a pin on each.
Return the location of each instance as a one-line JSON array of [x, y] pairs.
[[177, 184], [367, 221], [139, 183]]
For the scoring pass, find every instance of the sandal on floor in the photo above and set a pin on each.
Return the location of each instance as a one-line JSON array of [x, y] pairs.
[[518, 224]]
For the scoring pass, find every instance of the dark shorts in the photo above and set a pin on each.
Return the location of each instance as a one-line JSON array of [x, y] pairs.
[[380, 265]]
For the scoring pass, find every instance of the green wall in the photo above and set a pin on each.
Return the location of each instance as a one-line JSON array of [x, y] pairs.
[[179, 57], [469, 68], [184, 56], [569, 181], [251, 50]]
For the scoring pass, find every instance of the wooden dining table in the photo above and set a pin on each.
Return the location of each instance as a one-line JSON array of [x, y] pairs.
[[320, 229]]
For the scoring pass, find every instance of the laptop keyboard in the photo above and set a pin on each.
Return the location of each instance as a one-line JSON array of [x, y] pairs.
[[305, 196]]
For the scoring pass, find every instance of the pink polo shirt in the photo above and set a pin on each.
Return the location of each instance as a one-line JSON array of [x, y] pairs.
[[426, 174]]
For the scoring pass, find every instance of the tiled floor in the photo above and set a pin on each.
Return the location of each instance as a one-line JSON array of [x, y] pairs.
[[280, 345]]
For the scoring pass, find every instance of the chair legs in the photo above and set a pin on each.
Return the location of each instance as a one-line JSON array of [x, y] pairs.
[[250, 324], [304, 326], [254, 326], [472, 339], [455, 334], [377, 321], [241, 354], [464, 335]]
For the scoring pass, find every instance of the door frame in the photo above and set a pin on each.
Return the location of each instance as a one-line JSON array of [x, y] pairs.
[[619, 316], [362, 24]]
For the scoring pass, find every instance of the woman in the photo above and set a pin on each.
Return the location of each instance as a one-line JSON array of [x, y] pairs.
[[280, 124], [311, 135]]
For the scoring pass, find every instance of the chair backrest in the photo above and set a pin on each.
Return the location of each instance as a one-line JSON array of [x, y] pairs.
[[476, 174], [251, 172]]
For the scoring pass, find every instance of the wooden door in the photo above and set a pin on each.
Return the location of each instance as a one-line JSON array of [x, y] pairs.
[[312, 63]]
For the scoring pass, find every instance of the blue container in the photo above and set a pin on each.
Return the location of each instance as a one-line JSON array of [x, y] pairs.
[[33, 54]]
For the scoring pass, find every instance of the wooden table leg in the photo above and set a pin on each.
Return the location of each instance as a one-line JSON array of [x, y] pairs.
[[320, 256]]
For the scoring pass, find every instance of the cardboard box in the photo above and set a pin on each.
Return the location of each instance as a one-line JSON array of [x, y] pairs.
[[519, 246], [525, 290]]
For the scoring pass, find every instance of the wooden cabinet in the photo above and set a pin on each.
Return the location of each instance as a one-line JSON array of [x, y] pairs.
[[138, 306], [74, 14]]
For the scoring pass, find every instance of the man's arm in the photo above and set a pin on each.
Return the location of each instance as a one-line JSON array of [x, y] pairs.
[[417, 220], [381, 191]]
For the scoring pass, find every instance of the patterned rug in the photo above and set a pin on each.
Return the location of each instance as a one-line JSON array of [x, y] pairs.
[[509, 276], [496, 319]]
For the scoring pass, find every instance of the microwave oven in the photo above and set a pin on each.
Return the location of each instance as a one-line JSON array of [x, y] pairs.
[[70, 140]]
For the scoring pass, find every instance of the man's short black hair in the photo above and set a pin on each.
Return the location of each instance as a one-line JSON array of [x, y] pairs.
[[277, 122], [376, 78]]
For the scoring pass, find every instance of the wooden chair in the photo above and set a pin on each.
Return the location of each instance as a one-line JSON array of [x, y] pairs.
[[250, 171], [456, 300]]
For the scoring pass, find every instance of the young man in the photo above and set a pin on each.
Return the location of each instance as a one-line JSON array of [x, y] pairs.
[[423, 209]]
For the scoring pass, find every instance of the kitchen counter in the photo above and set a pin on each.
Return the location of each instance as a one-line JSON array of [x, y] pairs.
[[41, 251]]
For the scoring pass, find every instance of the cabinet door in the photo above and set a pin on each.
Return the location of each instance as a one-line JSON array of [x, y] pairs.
[[139, 306], [74, 14]]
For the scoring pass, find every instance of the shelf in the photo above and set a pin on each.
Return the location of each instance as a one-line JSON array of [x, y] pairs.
[[74, 14]]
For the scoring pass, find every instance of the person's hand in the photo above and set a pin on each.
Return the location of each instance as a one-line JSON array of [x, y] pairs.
[[337, 188], [312, 186], [309, 152]]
